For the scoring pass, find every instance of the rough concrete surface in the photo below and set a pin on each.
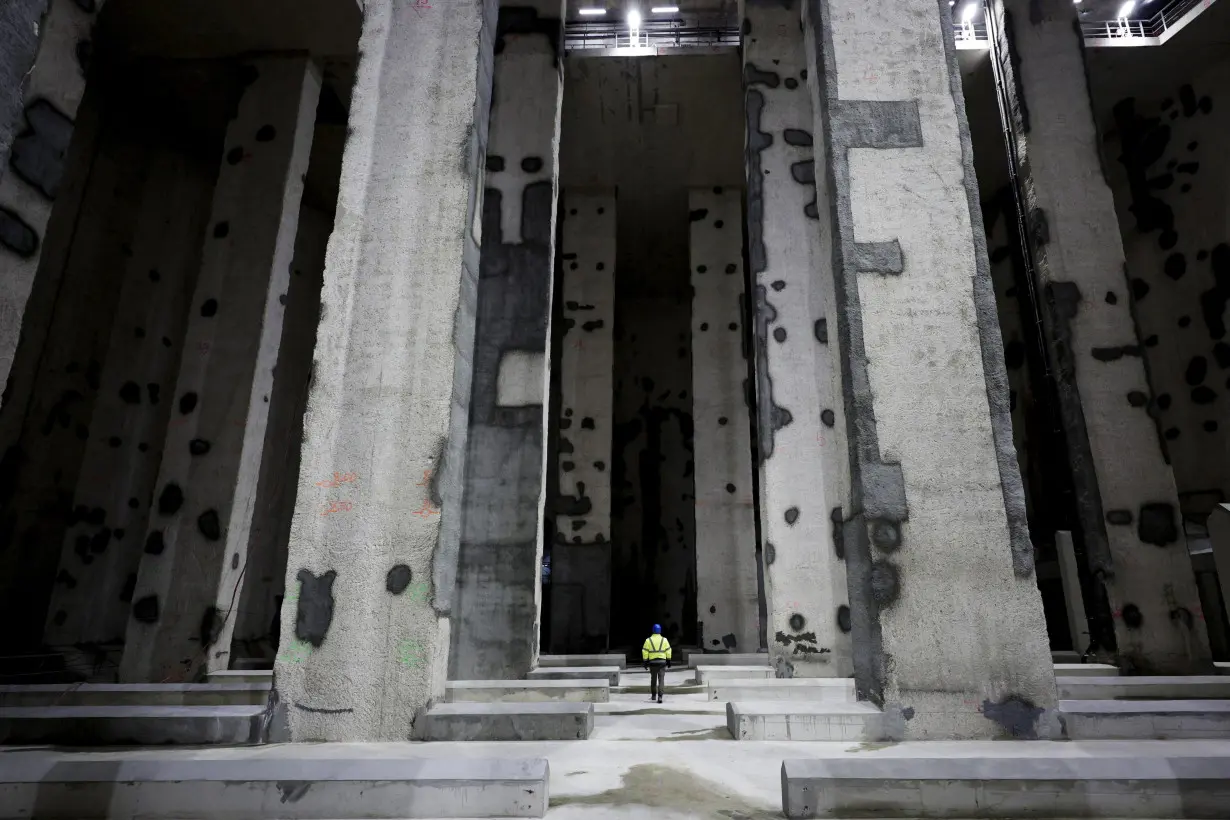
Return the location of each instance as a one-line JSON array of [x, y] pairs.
[[388, 408], [804, 477]]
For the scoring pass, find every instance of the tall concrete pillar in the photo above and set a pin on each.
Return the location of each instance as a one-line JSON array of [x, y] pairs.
[[34, 146], [1127, 501], [195, 559], [581, 556], [727, 596], [495, 633], [1073, 597], [803, 473], [948, 631], [265, 577], [371, 573], [103, 543], [1219, 538]]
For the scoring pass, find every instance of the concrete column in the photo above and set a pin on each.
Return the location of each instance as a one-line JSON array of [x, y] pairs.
[[187, 590], [1073, 598], [371, 573], [727, 598], [804, 477], [495, 634], [265, 577], [948, 631], [1219, 537], [103, 543], [1127, 501], [581, 556], [35, 144]]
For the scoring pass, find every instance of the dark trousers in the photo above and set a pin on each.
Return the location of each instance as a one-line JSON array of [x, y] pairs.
[[657, 679]]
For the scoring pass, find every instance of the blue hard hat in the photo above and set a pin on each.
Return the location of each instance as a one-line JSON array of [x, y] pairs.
[[657, 628]]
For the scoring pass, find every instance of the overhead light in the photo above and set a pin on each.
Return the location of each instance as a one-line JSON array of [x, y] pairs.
[[968, 13], [592, 12], [634, 19], [665, 10], [1127, 8]]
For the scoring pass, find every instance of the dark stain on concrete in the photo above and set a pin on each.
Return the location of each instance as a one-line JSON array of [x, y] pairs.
[[209, 525], [1156, 524], [314, 613], [170, 500], [398, 579], [1017, 715], [146, 609]]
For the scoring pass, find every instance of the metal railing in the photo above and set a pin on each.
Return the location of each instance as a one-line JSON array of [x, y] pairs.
[[677, 33], [714, 32], [1155, 27]]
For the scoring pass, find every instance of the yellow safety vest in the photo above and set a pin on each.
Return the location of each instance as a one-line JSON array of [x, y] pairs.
[[661, 651]]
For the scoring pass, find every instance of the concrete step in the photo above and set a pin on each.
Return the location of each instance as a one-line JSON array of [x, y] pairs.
[[252, 664], [1222, 667], [739, 659], [1146, 719], [827, 690], [527, 691], [610, 674], [507, 721], [242, 676], [1188, 687], [131, 725], [1065, 656], [136, 694], [283, 782], [1085, 670], [552, 661], [643, 689], [1007, 787], [788, 720], [708, 674]]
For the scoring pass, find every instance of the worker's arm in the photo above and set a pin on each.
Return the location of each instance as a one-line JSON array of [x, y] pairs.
[[645, 650], [668, 648]]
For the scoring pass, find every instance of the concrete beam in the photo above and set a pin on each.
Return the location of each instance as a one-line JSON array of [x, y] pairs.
[[1006, 787], [835, 690], [1146, 719], [507, 721], [372, 568], [1073, 598], [195, 553], [801, 721]]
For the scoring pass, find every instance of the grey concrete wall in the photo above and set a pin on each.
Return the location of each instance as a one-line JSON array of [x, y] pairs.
[[495, 632], [727, 597], [196, 544], [1169, 177], [103, 543], [256, 619], [1127, 499], [580, 556], [804, 477], [367, 617], [34, 173], [948, 631]]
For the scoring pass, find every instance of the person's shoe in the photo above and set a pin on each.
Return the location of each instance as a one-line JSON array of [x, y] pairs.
[[659, 699]]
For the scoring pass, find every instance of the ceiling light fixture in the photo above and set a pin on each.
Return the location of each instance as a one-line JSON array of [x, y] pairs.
[[1126, 9], [969, 12], [634, 20], [665, 9], [591, 12]]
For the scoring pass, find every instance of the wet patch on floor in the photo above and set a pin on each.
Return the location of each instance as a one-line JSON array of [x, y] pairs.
[[665, 787]]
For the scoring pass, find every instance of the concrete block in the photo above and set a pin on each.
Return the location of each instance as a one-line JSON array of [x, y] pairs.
[[1041, 787], [242, 676], [136, 694], [707, 674], [507, 721], [1090, 670], [736, 659], [1145, 719], [1065, 656], [1185, 687], [1222, 667], [610, 674], [131, 725], [282, 782], [527, 691], [553, 661], [828, 690], [786, 720]]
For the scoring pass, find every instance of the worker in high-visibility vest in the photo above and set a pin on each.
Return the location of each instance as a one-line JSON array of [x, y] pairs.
[[656, 655]]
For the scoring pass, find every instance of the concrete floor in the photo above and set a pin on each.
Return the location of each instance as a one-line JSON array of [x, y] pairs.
[[676, 761]]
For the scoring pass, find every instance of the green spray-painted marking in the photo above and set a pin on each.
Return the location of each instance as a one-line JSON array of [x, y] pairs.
[[411, 654], [297, 652], [419, 591]]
